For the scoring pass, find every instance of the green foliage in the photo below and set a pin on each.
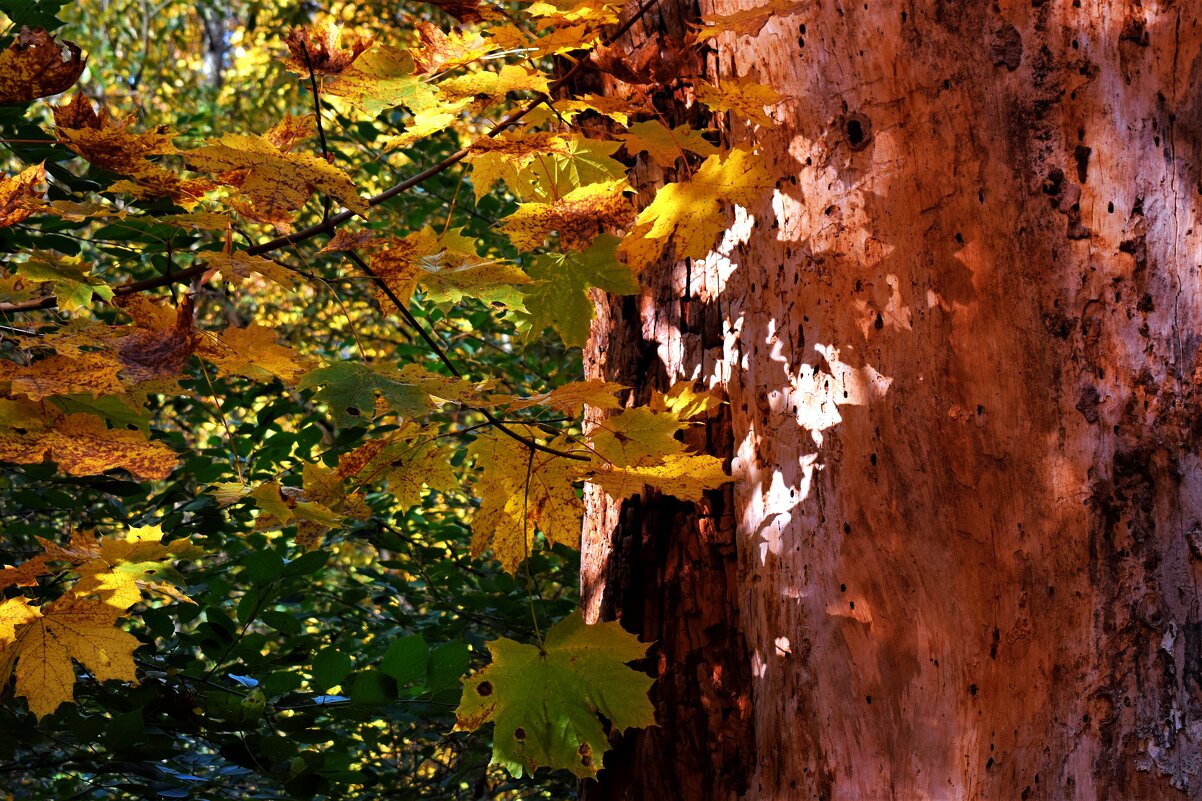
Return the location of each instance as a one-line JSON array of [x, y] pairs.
[[268, 497], [544, 701]]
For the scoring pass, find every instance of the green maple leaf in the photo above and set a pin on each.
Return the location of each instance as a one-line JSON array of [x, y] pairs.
[[560, 300], [544, 702], [350, 389], [69, 278], [588, 161]]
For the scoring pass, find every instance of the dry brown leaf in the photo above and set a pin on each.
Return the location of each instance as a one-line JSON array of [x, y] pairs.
[[150, 353], [78, 113], [322, 49], [36, 65]]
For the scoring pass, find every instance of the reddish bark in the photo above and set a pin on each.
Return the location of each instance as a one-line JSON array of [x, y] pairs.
[[961, 554]]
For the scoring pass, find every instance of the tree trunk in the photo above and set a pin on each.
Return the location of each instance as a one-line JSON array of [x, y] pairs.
[[960, 555]]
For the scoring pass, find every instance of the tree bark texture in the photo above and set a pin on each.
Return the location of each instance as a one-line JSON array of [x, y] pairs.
[[960, 556]]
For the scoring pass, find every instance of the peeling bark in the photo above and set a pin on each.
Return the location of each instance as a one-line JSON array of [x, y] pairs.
[[961, 554]]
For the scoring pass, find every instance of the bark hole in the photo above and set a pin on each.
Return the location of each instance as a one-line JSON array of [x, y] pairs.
[[858, 129]]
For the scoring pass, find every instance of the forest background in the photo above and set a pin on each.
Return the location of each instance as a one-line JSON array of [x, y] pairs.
[[270, 495]]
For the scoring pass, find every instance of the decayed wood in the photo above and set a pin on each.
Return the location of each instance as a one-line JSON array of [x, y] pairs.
[[960, 559]]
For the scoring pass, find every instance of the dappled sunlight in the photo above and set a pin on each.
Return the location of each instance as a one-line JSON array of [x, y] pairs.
[[811, 402]]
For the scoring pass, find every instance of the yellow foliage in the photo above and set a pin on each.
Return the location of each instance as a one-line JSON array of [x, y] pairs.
[[68, 629], [743, 97], [521, 490], [688, 213], [276, 183]]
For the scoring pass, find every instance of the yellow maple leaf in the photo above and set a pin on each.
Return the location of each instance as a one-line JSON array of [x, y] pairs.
[[79, 443], [618, 109], [571, 398], [68, 629], [492, 86], [408, 459], [636, 436], [277, 183], [508, 157], [683, 475], [427, 122], [254, 353], [18, 195], [512, 506], [326, 504], [382, 78], [747, 22], [638, 250], [276, 508], [637, 447], [36, 65], [555, 42], [77, 211], [14, 613], [594, 12], [578, 216], [198, 221], [688, 212], [665, 145], [684, 400], [447, 267], [120, 568], [236, 266], [743, 97]]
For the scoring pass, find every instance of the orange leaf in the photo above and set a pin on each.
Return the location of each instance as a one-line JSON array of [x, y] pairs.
[[79, 443], [17, 193], [69, 629]]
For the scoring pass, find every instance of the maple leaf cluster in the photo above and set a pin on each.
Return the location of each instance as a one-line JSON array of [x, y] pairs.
[[39, 642], [229, 224]]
